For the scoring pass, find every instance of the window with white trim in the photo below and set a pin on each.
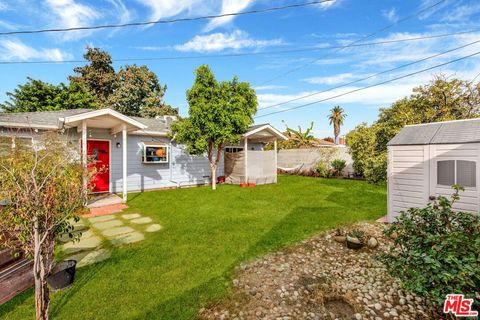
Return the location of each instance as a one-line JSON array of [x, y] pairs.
[[155, 153], [461, 172]]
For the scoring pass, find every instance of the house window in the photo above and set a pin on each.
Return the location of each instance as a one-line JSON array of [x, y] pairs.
[[9, 143], [461, 172], [155, 153], [233, 149]]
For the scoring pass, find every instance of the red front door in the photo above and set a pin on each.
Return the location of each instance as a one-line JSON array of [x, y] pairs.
[[99, 154]]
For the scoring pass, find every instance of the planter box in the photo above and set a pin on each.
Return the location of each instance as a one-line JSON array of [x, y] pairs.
[[6, 257]]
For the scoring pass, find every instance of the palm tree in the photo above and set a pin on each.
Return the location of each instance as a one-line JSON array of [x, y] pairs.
[[336, 117]]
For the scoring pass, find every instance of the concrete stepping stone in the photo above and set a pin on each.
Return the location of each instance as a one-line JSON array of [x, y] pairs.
[[130, 216], [113, 232], [101, 218], [107, 224], [64, 238], [82, 245], [153, 228], [94, 257], [143, 220], [127, 238]]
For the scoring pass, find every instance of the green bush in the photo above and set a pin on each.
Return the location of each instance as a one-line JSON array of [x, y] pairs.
[[436, 251], [338, 165], [375, 170], [323, 170]]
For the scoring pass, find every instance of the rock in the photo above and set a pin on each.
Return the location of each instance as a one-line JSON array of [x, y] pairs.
[[372, 243], [353, 239], [358, 316], [340, 239], [377, 306]]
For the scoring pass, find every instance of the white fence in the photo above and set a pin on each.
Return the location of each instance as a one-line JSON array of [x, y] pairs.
[[306, 159]]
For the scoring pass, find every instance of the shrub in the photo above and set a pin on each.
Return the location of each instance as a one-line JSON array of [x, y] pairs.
[[323, 170], [436, 251], [338, 165], [375, 170]]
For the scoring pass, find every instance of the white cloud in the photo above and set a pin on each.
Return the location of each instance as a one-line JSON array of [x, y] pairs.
[[328, 4], [336, 79], [169, 8], [391, 15], [8, 25], [71, 14], [228, 6], [122, 11], [220, 41], [269, 87], [3, 6], [11, 50], [380, 96], [462, 13]]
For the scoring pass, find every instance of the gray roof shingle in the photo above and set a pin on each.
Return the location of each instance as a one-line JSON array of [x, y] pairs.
[[459, 131], [44, 118]]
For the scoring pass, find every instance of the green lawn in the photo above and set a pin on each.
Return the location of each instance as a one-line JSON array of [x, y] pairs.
[[205, 235]]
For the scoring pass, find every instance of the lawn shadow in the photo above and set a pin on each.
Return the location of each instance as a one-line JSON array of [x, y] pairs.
[[12, 304]]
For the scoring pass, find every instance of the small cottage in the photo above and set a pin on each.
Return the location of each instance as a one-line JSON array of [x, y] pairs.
[[137, 154], [425, 160]]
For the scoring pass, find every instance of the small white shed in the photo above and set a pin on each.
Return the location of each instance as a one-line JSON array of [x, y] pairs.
[[425, 160]]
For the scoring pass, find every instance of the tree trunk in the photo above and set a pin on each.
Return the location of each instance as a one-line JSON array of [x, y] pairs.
[[214, 176], [40, 262]]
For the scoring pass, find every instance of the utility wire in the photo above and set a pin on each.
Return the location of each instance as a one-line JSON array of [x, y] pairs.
[[370, 86], [371, 76], [354, 42], [147, 23], [244, 54]]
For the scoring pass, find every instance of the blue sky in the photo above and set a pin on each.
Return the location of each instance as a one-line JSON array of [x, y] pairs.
[[335, 23]]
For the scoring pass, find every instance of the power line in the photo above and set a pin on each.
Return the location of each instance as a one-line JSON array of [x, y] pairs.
[[244, 54], [354, 42], [371, 76], [370, 86], [146, 23]]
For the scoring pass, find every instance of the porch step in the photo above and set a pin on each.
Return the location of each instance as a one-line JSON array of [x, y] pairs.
[[15, 278]]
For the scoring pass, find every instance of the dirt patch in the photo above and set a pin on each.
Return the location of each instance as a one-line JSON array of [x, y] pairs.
[[339, 308]]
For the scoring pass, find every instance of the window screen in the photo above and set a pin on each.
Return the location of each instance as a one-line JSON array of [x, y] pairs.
[[466, 173], [446, 172]]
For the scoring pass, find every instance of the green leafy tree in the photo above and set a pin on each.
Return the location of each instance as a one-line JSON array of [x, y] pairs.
[[436, 251], [336, 118], [98, 77], [44, 191], [219, 113], [139, 93], [440, 100], [36, 95], [299, 138]]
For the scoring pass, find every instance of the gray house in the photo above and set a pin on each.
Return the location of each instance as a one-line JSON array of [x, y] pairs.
[[135, 154], [425, 160]]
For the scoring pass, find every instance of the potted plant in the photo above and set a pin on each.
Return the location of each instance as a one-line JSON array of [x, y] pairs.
[[243, 184], [251, 184], [62, 275], [355, 239], [339, 236]]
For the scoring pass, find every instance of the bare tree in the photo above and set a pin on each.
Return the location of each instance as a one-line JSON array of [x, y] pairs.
[[42, 185]]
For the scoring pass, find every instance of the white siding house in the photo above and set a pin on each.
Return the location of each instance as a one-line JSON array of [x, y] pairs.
[[425, 160], [131, 153]]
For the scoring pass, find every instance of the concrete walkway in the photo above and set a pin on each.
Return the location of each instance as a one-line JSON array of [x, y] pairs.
[[100, 233]]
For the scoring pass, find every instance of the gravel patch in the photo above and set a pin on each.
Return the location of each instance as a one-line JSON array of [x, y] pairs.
[[319, 279]]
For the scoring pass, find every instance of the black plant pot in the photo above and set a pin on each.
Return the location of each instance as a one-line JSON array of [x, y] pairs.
[[62, 275]]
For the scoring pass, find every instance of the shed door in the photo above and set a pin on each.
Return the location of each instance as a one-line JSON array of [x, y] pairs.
[[456, 164]]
